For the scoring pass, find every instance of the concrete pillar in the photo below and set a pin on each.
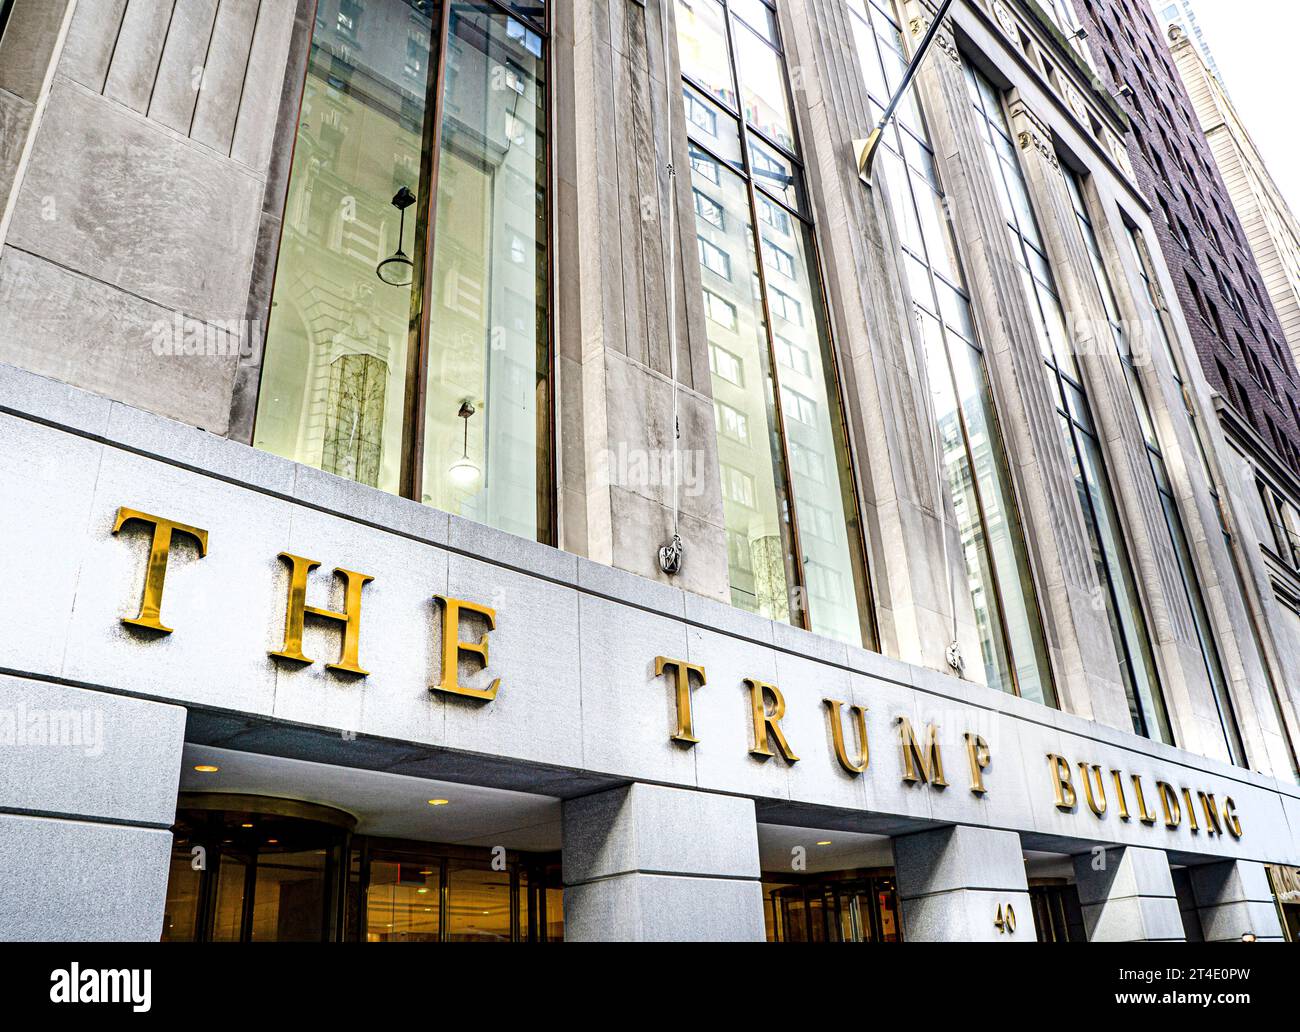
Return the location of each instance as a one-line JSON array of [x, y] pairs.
[[646, 863], [87, 795], [954, 883], [1131, 898], [1233, 897]]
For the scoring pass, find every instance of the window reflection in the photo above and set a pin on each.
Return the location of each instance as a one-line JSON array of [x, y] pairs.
[[487, 320], [271, 873], [1173, 519], [422, 892], [262, 874], [840, 906], [794, 546], [439, 394]]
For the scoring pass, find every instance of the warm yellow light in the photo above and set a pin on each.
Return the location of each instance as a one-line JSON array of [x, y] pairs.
[[824, 842], [207, 768], [421, 891], [439, 802], [245, 825]]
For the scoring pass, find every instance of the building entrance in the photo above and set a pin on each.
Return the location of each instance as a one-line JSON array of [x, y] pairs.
[[840, 906], [252, 869]]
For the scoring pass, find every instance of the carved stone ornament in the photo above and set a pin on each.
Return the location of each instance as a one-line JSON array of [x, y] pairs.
[[919, 25], [1006, 19], [1028, 139]]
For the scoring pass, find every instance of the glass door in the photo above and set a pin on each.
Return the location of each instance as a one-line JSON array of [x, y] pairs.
[[846, 906]]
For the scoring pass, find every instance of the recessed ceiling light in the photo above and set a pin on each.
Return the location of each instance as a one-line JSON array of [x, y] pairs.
[[824, 842], [439, 802], [207, 768]]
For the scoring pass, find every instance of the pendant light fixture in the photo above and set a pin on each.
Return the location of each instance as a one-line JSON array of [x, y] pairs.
[[464, 471], [398, 270]]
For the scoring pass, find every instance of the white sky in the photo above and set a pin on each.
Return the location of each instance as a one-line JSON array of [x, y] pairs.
[[1254, 44]]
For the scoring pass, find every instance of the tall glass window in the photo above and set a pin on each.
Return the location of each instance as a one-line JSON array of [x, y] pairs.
[[1174, 521], [1101, 516], [794, 540], [408, 344], [974, 458]]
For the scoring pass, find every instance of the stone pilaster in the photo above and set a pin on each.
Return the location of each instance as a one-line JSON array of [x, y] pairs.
[[647, 863], [1261, 714], [615, 369], [956, 883], [903, 497], [1128, 895], [1188, 695], [1233, 897], [1083, 655]]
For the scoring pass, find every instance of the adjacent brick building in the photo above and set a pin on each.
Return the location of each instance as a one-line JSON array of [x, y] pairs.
[[1235, 328]]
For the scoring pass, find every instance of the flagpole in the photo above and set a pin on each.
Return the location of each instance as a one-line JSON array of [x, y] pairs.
[[867, 148]]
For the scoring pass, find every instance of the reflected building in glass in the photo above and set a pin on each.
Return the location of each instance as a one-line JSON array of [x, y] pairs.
[[512, 471]]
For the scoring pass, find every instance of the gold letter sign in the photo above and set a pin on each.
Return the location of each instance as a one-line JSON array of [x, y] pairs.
[[837, 736], [765, 721], [681, 671], [452, 647], [156, 573], [929, 760], [297, 610]]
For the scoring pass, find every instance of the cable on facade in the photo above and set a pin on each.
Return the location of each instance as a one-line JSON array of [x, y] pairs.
[[670, 555]]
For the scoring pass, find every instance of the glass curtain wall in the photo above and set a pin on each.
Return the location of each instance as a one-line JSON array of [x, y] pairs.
[[1173, 519], [974, 457], [408, 340], [1114, 570], [794, 540]]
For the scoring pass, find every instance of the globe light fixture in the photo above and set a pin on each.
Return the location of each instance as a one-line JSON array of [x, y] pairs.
[[398, 270], [464, 471]]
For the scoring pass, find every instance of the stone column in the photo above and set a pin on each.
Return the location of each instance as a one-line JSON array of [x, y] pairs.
[[613, 214], [647, 863], [1131, 898], [1078, 635], [87, 794], [29, 50], [1233, 897], [955, 883]]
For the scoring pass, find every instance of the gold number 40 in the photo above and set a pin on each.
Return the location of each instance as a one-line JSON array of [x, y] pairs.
[[1006, 919]]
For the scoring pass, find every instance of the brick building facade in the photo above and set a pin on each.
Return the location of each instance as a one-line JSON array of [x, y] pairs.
[[1235, 328]]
